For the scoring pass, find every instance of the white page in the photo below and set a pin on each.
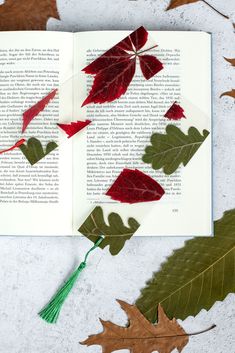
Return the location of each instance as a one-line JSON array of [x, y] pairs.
[[35, 200], [189, 213]]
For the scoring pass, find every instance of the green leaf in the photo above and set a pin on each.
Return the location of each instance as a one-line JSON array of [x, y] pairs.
[[33, 151], [169, 150], [195, 276], [116, 233]]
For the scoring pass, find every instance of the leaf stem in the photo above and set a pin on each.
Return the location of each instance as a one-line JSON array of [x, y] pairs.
[[144, 51], [167, 336], [213, 8]]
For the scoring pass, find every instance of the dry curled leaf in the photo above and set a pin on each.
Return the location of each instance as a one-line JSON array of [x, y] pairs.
[[140, 336], [231, 61], [175, 3], [27, 14], [229, 93]]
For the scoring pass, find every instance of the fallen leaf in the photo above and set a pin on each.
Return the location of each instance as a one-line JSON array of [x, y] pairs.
[[32, 112], [34, 152], [114, 70], [175, 112], [195, 276], [140, 336], [74, 127], [115, 232], [169, 150], [229, 93], [27, 14], [133, 186], [231, 61], [16, 145], [176, 3]]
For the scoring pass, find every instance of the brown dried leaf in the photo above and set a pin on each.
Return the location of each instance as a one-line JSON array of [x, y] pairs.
[[140, 336], [231, 61], [175, 3], [27, 14], [229, 93]]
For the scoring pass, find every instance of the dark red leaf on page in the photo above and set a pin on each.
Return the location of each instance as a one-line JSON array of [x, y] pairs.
[[72, 128], [133, 186], [149, 65], [176, 112], [16, 145], [114, 70], [32, 112]]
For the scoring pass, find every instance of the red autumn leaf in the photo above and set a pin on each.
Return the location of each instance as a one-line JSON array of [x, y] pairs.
[[16, 145], [114, 70], [176, 112], [72, 128], [30, 114], [133, 186]]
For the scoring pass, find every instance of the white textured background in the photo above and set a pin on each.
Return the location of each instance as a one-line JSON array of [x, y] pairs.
[[32, 268]]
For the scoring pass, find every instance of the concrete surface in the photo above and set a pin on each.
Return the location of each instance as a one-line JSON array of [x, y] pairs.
[[32, 268]]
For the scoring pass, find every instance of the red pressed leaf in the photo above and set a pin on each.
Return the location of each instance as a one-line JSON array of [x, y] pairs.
[[16, 145], [72, 128], [176, 112], [150, 65], [32, 112], [114, 70], [133, 186]]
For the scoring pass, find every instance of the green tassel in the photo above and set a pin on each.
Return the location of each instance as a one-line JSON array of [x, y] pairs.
[[52, 310]]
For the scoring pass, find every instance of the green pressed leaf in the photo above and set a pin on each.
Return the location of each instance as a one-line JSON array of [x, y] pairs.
[[116, 233], [195, 276], [169, 150], [33, 151]]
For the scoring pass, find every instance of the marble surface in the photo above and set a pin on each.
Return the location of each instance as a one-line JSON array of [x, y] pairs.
[[32, 268]]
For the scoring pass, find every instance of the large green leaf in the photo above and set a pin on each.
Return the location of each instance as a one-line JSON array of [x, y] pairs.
[[116, 233], [169, 150], [195, 276], [33, 151]]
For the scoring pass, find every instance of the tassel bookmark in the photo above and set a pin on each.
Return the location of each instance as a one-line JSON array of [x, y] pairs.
[[51, 311]]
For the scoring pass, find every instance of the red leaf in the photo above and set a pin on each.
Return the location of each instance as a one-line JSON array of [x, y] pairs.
[[133, 186], [150, 65], [32, 112], [16, 145], [176, 112], [72, 128], [115, 69]]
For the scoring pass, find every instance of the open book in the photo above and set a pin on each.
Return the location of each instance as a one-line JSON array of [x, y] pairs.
[[56, 195]]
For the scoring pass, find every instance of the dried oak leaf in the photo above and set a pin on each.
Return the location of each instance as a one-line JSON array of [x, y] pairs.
[[231, 61], [37, 108], [27, 14], [229, 93], [175, 3], [74, 127], [140, 336], [114, 70], [175, 112], [133, 186]]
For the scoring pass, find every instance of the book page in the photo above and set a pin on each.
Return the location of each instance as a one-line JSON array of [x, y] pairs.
[[121, 130], [35, 200]]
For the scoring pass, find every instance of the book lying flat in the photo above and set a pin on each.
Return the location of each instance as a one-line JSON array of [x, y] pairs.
[[55, 196]]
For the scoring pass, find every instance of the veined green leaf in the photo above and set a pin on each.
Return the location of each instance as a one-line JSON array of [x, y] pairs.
[[195, 276], [116, 233], [33, 151], [169, 150]]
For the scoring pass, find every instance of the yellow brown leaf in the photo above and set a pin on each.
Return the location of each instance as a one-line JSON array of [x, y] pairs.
[[229, 94], [27, 14], [231, 61], [140, 335], [176, 3]]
